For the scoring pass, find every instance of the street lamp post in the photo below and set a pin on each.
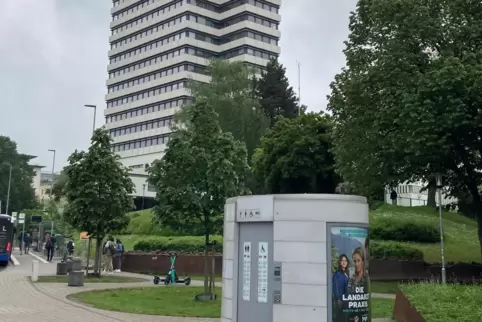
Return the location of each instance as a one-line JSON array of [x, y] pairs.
[[143, 194], [87, 256], [53, 168], [95, 112], [8, 190], [439, 187]]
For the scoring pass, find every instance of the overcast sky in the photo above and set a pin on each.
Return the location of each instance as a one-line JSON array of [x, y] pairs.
[[53, 60]]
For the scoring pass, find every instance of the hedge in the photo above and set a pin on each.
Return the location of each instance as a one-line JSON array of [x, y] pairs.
[[195, 244], [186, 244], [404, 230], [394, 251]]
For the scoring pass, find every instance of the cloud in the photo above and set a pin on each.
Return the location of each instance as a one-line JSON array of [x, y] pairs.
[[53, 60]]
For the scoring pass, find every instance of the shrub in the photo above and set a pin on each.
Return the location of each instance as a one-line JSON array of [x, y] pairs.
[[445, 302], [187, 244], [394, 251], [404, 230]]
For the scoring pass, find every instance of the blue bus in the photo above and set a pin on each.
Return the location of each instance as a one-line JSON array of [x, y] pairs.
[[6, 239]]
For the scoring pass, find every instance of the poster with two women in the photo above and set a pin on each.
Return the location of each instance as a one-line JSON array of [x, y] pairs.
[[349, 279]]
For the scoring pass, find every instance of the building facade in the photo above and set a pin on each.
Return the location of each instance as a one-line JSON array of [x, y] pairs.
[[410, 194], [42, 182], [156, 47]]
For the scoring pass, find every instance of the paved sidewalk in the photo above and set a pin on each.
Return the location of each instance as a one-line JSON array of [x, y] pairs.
[[383, 296], [23, 301]]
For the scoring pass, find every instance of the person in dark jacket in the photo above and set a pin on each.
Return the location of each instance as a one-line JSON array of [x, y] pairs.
[[340, 287], [28, 242], [118, 255], [20, 240], [394, 196], [50, 247]]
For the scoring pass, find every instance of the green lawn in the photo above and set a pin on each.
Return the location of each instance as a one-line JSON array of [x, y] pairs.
[[382, 308], [177, 301], [168, 301], [441, 303], [384, 287], [217, 279], [102, 279], [460, 232]]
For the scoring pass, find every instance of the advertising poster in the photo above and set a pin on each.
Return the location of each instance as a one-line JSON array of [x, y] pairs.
[[350, 285]]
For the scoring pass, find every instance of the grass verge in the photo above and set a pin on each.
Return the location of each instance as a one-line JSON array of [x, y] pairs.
[[384, 287], [382, 308], [102, 279], [176, 301], [460, 232], [450, 302]]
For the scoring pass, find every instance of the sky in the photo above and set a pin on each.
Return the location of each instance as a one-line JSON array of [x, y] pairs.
[[53, 61]]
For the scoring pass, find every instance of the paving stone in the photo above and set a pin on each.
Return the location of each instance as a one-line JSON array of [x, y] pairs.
[[23, 301]]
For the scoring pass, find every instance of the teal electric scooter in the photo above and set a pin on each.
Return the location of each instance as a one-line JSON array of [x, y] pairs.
[[171, 277]]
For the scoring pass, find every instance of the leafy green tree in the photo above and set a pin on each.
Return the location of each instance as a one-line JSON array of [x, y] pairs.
[[202, 167], [276, 97], [407, 105], [98, 191], [231, 94], [22, 194], [295, 157], [59, 186]]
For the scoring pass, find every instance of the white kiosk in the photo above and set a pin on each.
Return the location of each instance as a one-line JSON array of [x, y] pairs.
[[289, 258]]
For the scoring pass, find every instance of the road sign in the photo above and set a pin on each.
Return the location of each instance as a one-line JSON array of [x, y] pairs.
[[36, 218], [84, 235], [21, 218]]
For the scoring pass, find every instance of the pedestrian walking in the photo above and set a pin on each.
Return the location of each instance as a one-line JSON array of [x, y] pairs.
[[118, 256], [71, 247], [28, 243], [50, 247], [20, 240], [110, 248]]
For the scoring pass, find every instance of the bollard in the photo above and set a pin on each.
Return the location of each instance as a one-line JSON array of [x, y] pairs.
[[35, 267]]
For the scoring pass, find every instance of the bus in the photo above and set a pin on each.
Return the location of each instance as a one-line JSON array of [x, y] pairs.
[[6, 239]]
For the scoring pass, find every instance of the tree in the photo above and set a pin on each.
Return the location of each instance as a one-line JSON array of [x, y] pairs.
[[98, 191], [59, 186], [276, 97], [295, 157], [202, 167], [22, 194], [231, 94], [408, 104]]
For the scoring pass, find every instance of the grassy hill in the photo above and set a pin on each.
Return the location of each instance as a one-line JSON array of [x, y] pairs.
[[461, 243]]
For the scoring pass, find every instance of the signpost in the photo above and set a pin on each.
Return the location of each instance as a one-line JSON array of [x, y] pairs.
[[84, 237], [21, 220]]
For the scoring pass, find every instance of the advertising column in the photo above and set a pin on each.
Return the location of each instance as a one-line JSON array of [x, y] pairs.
[[350, 283]]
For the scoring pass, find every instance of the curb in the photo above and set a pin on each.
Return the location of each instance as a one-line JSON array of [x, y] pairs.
[[14, 261], [38, 257]]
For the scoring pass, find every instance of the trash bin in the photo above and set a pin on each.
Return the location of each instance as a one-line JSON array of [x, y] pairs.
[[62, 268], [76, 279]]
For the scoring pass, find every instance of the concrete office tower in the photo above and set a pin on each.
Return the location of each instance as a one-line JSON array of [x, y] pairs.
[[156, 46]]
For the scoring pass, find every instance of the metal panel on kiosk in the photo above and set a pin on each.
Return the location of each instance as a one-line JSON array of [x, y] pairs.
[[256, 272]]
